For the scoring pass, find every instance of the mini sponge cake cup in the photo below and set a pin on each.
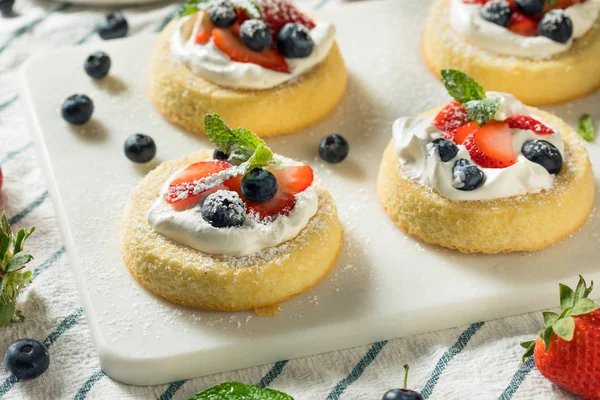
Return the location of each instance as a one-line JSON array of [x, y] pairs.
[[183, 98], [523, 223], [192, 278], [558, 79]]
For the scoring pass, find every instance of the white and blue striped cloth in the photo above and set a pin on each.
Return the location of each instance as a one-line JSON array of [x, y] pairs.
[[481, 361]]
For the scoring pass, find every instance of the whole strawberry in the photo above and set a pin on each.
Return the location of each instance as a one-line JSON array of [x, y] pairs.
[[568, 349]]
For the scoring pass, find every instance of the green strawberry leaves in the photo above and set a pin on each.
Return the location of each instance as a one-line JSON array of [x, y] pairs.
[[585, 128], [191, 6], [470, 94], [240, 391], [572, 303], [13, 258]]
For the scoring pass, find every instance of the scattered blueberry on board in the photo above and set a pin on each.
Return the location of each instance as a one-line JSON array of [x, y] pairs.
[[113, 26], [27, 358], [543, 153], [220, 155], [224, 209], [497, 12], [6, 7], [259, 185], [530, 7], [557, 26], [77, 109], [446, 149], [223, 14], [467, 176], [256, 34], [97, 65], [294, 41], [404, 393], [334, 148], [140, 148]]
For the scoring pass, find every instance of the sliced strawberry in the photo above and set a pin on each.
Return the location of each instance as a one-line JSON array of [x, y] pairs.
[[523, 25], [452, 116], [277, 13], [491, 145], [181, 190], [528, 124], [290, 182], [462, 132], [230, 43], [205, 30]]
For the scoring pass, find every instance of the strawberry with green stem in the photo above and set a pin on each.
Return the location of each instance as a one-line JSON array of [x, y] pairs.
[[568, 349], [13, 279]]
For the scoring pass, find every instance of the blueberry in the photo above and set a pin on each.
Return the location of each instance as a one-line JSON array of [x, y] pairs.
[[113, 26], [543, 153], [77, 109], [497, 12], [446, 149], [140, 148], [27, 358], [259, 185], [467, 176], [557, 26], [333, 148], [256, 34], [294, 41], [402, 394], [220, 155], [224, 209], [223, 14], [6, 7], [97, 65], [531, 7]]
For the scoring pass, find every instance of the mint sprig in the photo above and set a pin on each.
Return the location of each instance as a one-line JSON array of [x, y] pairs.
[[240, 391], [572, 303], [13, 259], [241, 144], [191, 6], [470, 94], [585, 128]]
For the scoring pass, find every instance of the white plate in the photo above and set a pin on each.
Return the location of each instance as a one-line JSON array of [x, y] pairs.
[[385, 284]]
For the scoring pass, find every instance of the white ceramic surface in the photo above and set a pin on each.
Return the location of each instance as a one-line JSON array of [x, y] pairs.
[[385, 284]]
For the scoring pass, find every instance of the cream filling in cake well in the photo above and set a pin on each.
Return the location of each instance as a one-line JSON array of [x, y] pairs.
[[411, 136], [210, 63], [466, 20]]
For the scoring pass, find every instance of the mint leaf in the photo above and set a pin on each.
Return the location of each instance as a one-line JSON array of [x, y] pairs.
[[7, 310], [481, 111], [462, 87], [262, 157], [240, 391], [549, 318], [585, 128], [191, 6], [240, 142], [564, 328]]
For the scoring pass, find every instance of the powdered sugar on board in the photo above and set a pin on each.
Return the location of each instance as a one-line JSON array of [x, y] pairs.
[[383, 277]]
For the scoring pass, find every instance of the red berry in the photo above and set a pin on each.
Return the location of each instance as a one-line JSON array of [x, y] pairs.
[[523, 25], [461, 133], [277, 13], [451, 117], [528, 124], [181, 190], [573, 365], [290, 182], [205, 30], [229, 42], [491, 145]]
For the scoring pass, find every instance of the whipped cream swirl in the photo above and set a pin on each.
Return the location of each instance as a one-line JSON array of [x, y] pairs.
[[467, 21], [210, 63], [190, 229], [411, 136]]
